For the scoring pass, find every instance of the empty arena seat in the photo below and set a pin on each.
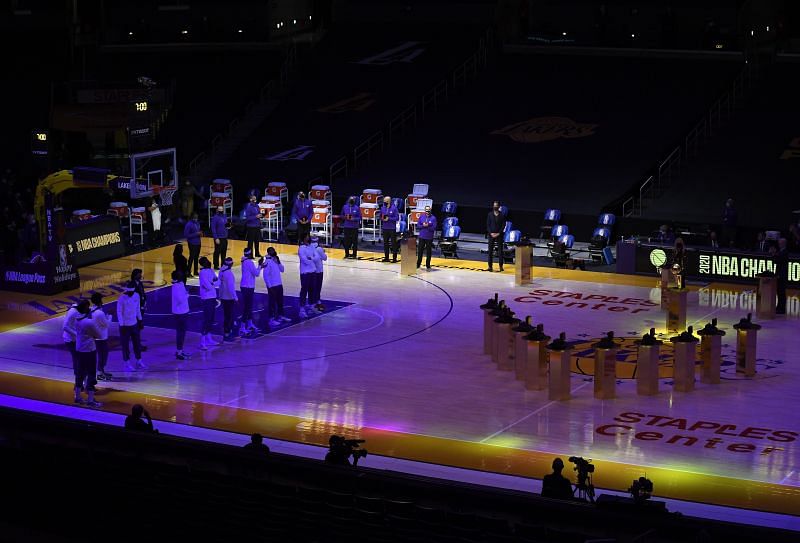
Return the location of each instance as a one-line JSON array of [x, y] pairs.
[[567, 239], [448, 222], [449, 208], [449, 243], [512, 236], [559, 230], [551, 218], [401, 227], [607, 219], [599, 241]]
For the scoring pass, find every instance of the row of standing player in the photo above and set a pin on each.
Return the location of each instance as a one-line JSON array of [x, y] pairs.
[[311, 256]]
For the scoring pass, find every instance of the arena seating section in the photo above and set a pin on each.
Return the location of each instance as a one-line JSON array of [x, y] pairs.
[[743, 161], [80, 477], [641, 108], [334, 74]]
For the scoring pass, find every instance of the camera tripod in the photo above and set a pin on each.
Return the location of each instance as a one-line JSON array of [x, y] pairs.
[[584, 487]]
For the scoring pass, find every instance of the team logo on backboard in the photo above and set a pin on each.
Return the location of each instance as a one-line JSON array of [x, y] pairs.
[[546, 128]]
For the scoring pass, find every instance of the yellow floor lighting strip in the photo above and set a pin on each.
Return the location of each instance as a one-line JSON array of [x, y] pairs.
[[670, 483]]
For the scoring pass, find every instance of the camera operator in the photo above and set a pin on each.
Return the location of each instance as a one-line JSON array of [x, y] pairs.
[[340, 450], [555, 485]]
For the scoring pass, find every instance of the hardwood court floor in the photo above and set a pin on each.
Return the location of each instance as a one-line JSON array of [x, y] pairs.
[[401, 366]]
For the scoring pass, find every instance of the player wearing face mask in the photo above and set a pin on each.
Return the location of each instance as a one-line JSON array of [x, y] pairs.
[[352, 220]]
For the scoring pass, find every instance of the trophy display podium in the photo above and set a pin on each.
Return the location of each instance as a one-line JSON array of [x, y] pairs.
[[711, 352], [605, 368], [521, 347], [649, 350], [676, 309], [685, 346], [746, 342], [559, 355], [536, 362], [504, 340], [487, 308]]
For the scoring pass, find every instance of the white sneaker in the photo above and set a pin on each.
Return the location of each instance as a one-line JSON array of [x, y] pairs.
[[210, 341], [302, 314], [129, 366], [275, 323], [141, 365], [285, 319], [311, 310]]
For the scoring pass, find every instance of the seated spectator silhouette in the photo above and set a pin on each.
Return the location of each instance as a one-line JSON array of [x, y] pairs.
[[256, 444], [555, 485], [135, 422]]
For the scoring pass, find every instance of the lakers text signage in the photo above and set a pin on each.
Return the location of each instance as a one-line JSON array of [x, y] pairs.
[[95, 241], [714, 265]]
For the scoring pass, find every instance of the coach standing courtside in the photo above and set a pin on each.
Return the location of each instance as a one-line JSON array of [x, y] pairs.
[[351, 214], [302, 210], [252, 217], [495, 228], [193, 235], [426, 226], [219, 231], [389, 217]]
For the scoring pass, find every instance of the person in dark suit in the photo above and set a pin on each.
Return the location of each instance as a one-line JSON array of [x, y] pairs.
[[781, 261], [495, 228], [555, 485], [181, 264]]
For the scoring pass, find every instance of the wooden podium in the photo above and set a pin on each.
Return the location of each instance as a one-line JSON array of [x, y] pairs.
[[523, 260], [605, 368], [559, 355], [746, 342], [647, 369], [685, 348], [766, 296], [676, 309], [408, 256], [711, 352]]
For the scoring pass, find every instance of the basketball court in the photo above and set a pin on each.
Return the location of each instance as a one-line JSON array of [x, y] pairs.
[[398, 361]]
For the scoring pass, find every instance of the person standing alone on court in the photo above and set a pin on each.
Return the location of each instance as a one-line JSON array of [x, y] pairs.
[[129, 313], [426, 226], [352, 220], [219, 231], [389, 217], [252, 221], [302, 210], [193, 235], [495, 228], [180, 313]]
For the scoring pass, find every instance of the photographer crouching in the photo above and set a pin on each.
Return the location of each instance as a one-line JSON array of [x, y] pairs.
[[340, 450]]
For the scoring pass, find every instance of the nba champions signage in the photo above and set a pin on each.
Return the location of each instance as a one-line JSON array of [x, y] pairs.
[[711, 265]]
